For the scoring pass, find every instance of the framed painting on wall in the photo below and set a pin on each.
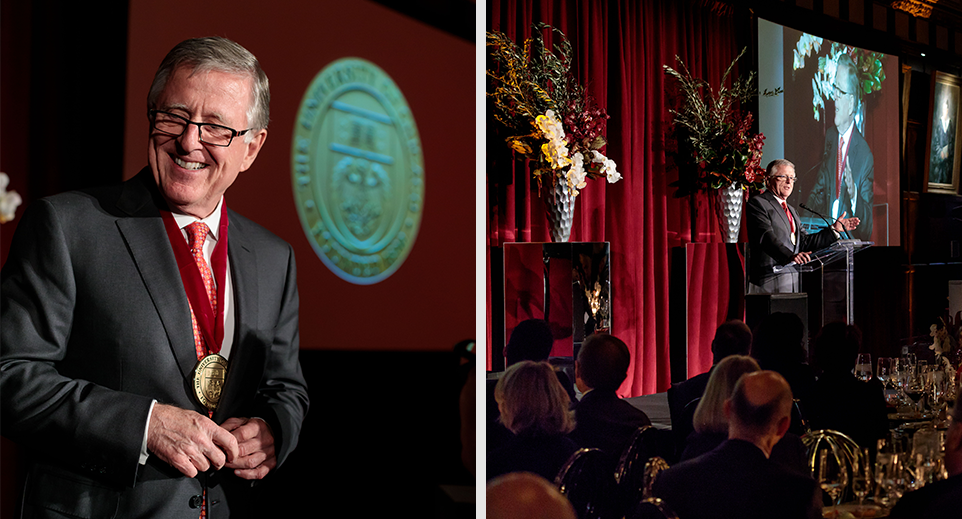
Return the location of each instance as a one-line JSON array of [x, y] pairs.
[[942, 159]]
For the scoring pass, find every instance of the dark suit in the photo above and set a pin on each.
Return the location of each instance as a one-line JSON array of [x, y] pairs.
[[937, 499], [736, 480], [543, 455], [604, 421], [788, 452], [862, 164], [770, 243], [844, 403], [682, 402], [95, 324]]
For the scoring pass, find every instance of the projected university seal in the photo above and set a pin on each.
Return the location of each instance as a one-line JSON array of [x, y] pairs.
[[357, 171]]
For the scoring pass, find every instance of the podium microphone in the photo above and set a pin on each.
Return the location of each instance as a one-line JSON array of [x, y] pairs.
[[818, 214]]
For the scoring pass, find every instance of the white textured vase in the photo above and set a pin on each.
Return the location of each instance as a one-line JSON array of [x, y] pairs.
[[559, 206], [729, 203]]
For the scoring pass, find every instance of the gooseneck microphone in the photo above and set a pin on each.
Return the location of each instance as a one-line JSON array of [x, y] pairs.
[[818, 214]]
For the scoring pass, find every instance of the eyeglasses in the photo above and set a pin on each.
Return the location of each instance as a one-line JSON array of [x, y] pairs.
[[838, 91], [175, 125], [787, 178]]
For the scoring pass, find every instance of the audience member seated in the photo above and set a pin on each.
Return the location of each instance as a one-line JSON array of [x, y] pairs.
[[535, 408], [604, 421], [840, 401], [940, 498], [711, 423], [738, 479], [524, 495], [731, 338], [777, 346], [532, 340]]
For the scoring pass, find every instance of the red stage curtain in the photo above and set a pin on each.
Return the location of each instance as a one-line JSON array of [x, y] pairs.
[[619, 49]]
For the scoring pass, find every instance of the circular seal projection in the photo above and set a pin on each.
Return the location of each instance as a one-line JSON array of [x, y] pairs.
[[357, 171]]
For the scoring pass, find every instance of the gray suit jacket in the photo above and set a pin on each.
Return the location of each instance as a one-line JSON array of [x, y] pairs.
[[770, 243], [862, 163], [94, 324]]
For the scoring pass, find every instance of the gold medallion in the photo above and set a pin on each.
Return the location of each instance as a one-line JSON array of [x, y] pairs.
[[209, 377]]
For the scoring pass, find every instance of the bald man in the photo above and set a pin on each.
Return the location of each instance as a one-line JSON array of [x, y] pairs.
[[523, 495], [737, 479]]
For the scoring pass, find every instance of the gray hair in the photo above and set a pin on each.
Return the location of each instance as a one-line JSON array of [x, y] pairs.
[[845, 61], [773, 166], [223, 55]]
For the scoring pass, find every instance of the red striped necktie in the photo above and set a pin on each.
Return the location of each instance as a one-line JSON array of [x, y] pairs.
[[791, 221], [197, 232]]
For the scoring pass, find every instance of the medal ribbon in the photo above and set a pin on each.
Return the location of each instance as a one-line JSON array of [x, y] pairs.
[[211, 325]]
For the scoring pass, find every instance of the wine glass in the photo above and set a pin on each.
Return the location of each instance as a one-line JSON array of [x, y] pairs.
[[861, 480], [832, 478], [884, 371], [893, 481], [903, 376], [883, 465], [914, 391], [863, 367]]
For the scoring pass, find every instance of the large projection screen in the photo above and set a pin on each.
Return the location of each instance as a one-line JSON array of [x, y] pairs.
[[802, 125]]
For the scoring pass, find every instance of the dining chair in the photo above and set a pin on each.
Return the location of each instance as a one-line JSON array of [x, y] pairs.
[[652, 508], [640, 462], [845, 452], [586, 480]]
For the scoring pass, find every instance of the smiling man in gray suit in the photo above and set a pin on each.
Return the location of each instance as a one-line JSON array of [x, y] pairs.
[[775, 237], [148, 363]]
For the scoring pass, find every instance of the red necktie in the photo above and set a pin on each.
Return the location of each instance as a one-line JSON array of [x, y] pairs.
[[197, 232], [791, 221], [839, 168]]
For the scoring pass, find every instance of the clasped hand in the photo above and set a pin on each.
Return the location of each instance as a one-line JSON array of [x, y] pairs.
[[193, 443]]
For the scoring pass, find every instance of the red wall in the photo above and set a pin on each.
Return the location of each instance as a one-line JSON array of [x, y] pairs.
[[429, 302]]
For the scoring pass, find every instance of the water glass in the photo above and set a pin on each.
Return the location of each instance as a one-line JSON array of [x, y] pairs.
[[884, 371], [862, 479], [863, 367], [832, 478]]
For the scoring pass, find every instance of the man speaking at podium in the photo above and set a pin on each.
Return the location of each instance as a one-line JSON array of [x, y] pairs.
[[775, 238]]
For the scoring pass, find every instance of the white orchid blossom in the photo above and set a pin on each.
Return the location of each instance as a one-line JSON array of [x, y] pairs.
[[577, 176], [608, 167], [555, 150], [9, 201]]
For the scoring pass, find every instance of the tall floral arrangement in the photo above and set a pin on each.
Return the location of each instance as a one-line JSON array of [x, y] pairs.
[[716, 145], [550, 119]]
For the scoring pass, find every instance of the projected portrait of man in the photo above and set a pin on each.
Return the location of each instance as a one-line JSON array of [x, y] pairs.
[[942, 154], [846, 175]]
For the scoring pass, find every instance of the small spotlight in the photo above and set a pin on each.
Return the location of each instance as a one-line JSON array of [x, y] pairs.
[[923, 54]]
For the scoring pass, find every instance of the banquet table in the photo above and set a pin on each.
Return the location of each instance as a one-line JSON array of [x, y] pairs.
[[656, 407]]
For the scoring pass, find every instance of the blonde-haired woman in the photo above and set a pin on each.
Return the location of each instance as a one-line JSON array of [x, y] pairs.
[[711, 423], [534, 407]]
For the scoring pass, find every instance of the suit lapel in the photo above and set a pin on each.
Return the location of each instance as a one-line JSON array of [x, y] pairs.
[[243, 265], [150, 250], [777, 207]]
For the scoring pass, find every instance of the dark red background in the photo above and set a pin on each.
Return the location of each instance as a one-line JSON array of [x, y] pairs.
[[429, 302]]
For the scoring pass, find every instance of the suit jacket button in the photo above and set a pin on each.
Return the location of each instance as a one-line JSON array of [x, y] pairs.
[[196, 501]]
